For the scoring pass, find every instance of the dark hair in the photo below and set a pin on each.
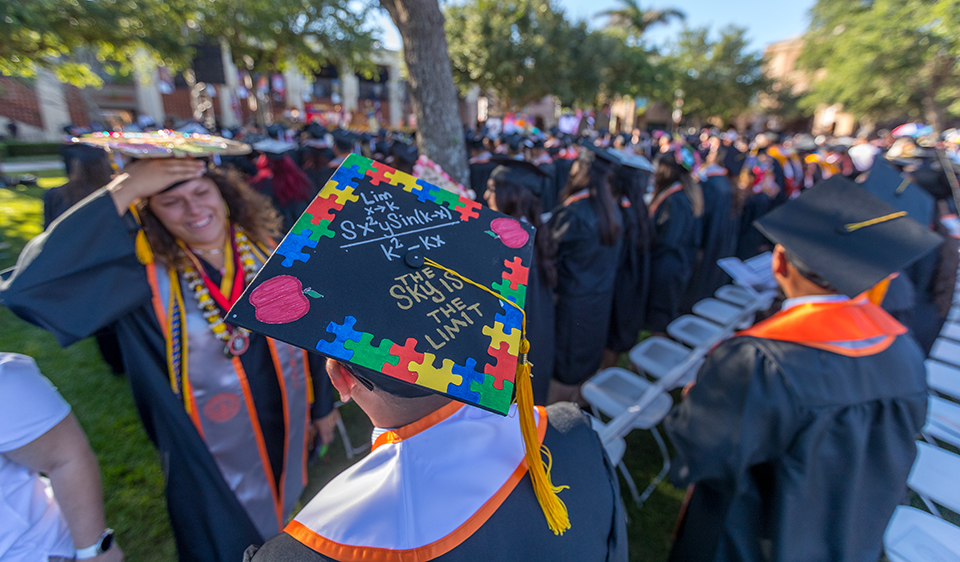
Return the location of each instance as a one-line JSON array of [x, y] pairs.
[[807, 273], [85, 178], [521, 203], [670, 172], [246, 208], [629, 184], [316, 159], [593, 174]]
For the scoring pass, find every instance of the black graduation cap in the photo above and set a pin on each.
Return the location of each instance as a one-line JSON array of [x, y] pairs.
[[275, 129], [354, 280], [850, 238], [601, 152], [519, 172], [274, 149], [406, 153], [316, 130], [343, 139], [83, 152], [899, 192]]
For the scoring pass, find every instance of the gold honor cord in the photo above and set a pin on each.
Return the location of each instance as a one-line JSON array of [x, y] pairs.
[[553, 507], [858, 225], [903, 186]]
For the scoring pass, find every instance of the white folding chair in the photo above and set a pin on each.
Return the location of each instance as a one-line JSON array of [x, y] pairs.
[[722, 313], [611, 392], [734, 295], [950, 330], [656, 356], [943, 422], [693, 330], [954, 314], [934, 478], [916, 536], [943, 379], [947, 351]]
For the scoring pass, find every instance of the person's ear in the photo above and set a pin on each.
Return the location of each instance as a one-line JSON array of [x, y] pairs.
[[342, 380], [780, 264]]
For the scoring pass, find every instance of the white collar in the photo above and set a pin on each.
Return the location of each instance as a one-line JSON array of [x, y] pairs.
[[797, 301]]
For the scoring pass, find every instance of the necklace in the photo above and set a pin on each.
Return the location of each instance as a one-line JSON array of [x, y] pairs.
[[236, 341], [213, 252]]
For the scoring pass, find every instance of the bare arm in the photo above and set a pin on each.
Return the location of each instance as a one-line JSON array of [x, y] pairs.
[[64, 456]]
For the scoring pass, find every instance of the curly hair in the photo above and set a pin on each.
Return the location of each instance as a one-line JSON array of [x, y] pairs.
[[246, 208]]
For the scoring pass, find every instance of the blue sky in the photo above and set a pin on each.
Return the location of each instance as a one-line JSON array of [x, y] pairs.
[[767, 21]]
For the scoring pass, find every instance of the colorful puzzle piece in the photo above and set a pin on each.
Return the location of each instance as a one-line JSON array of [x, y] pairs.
[[518, 272], [292, 249], [332, 190], [304, 226], [344, 333], [518, 295], [366, 355], [492, 397], [322, 207], [378, 173], [511, 317], [426, 192], [347, 175], [505, 368], [404, 180], [497, 336], [361, 164], [469, 374], [446, 198], [407, 353], [433, 378], [469, 210]]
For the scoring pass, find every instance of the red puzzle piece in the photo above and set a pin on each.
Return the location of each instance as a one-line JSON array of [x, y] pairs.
[[469, 209], [378, 173], [407, 354], [518, 273], [322, 208], [506, 367]]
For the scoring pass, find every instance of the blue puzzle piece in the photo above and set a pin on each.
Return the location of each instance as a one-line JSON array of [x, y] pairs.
[[512, 318], [462, 390], [292, 249], [347, 176], [344, 333], [426, 192]]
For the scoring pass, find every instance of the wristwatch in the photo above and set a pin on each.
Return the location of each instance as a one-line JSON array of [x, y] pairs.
[[102, 545]]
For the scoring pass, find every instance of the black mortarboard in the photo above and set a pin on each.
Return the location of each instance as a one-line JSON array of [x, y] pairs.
[[275, 129], [84, 152], [519, 172], [602, 153], [316, 130], [407, 153], [899, 192], [344, 139], [475, 143], [848, 237], [274, 149]]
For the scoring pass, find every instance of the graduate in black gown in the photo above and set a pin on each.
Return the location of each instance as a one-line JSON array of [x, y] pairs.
[[753, 200], [720, 228], [632, 286], [589, 233], [676, 210], [279, 178], [513, 189], [481, 165], [798, 436], [228, 411]]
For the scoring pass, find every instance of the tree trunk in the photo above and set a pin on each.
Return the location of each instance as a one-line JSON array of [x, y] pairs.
[[933, 112], [440, 133]]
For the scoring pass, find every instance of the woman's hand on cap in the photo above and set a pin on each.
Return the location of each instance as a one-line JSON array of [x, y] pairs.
[[149, 177]]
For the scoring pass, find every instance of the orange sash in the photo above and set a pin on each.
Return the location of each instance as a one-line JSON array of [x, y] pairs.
[[851, 328]]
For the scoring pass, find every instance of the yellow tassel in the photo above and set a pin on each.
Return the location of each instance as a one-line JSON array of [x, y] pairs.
[[144, 253], [553, 507]]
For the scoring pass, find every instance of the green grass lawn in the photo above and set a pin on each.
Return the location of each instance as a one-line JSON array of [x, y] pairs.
[[133, 481]]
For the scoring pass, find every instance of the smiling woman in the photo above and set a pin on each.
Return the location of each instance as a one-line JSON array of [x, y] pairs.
[[164, 251]]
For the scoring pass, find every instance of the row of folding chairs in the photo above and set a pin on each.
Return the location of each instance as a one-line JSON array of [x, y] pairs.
[[915, 535], [640, 400]]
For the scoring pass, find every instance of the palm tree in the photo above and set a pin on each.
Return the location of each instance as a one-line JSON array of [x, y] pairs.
[[635, 20]]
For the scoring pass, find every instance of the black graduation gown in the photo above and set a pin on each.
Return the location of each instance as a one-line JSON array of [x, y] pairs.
[[796, 454], [541, 328], [561, 168], [672, 261], [479, 174], [548, 187], [289, 212], [750, 242], [732, 159], [632, 286], [586, 271], [83, 274], [517, 530], [719, 239]]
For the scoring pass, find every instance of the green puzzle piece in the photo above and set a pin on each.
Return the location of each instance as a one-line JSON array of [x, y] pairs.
[[493, 398], [519, 294], [447, 198], [360, 162], [366, 355], [316, 231]]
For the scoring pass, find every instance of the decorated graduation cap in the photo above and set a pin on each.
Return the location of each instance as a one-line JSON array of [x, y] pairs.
[[848, 237], [410, 286], [900, 192], [163, 144]]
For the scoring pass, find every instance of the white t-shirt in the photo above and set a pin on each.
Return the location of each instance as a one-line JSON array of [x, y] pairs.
[[31, 525]]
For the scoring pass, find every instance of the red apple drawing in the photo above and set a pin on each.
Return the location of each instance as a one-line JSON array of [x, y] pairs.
[[279, 300], [510, 232]]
